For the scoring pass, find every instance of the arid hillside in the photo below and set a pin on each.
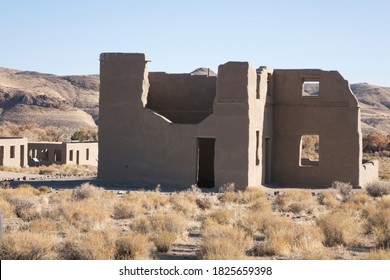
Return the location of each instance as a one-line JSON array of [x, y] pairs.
[[71, 102], [65, 102]]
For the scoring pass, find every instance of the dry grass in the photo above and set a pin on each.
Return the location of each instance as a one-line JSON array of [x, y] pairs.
[[54, 169], [339, 228], [133, 246], [26, 245], [169, 222], [296, 202], [381, 254], [378, 188], [222, 216], [94, 245], [85, 191], [329, 199], [91, 223], [164, 240], [378, 223], [221, 242]]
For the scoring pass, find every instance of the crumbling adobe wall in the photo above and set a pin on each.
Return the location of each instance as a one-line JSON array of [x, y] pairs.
[[333, 115], [182, 98], [139, 147]]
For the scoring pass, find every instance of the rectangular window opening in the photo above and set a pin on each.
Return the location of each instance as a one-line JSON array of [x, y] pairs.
[[71, 155], [310, 150], [12, 152], [87, 154], [311, 88], [258, 87], [205, 172], [57, 155], [45, 154], [257, 147]]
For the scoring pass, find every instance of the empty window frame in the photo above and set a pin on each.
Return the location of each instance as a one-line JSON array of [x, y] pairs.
[[309, 150], [70, 155], [87, 154], [12, 152], [57, 155], [45, 154], [311, 88]]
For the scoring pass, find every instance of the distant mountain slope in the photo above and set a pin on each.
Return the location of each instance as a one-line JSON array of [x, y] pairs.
[[375, 107], [72, 102]]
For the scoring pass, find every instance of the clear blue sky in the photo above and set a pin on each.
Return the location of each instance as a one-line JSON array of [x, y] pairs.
[[66, 37]]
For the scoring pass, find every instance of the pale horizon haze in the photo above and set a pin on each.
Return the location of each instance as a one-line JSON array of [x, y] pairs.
[[67, 37]]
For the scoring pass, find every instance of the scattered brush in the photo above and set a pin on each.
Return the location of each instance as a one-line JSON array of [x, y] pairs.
[[378, 188], [339, 228], [133, 246], [164, 240], [85, 191], [26, 245], [296, 202], [221, 242]]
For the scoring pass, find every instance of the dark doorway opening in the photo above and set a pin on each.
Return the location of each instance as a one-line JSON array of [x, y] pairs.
[[1, 155], [206, 151], [22, 156], [77, 157]]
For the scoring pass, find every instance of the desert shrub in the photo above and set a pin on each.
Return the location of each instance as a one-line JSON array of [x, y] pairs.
[[134, 246], [285, 238], [25, 190], [169, 222], [381, 254], [378, 223], [43, 225], [344, 189], [231, 197], [356, 201], [164, 240], [279, 235], [378, 188], [25, 207], [26, 245], [222, 216], [157, 200], [221, 242], [4, 184], [204, 203], [253, 221], [141, 224], [126, 210], [384, 202], [86, 214], [5, 207], [183, 202], [85, 191], [339, 228], [328, 198], [228, 187], [296, 202], [94, 245], [44, 189], [194, 189]]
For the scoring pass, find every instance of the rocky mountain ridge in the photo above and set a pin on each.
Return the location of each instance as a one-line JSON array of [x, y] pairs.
[[72, 102]]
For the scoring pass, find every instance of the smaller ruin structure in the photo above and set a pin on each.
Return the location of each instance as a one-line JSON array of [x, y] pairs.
[[13, 151], [47, 153]]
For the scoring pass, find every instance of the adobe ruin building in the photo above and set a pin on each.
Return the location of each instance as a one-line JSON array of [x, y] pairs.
[[71, 152], [13, 152], [243, 127]]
